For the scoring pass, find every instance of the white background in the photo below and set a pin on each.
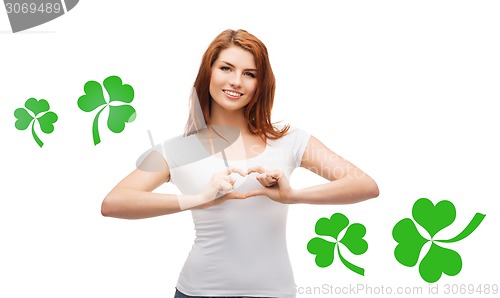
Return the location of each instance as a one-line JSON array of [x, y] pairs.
[[406, 90]]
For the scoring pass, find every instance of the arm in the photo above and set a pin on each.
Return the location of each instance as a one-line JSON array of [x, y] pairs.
[[347, 185], [132, 198]]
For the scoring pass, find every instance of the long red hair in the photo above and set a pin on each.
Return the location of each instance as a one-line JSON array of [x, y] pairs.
[[258, 110]]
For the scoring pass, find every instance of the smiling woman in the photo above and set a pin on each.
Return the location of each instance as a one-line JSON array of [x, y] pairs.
[[232, 84], [239, 211]]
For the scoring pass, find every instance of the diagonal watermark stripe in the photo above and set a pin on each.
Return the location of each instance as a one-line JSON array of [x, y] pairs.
[[26, 14]]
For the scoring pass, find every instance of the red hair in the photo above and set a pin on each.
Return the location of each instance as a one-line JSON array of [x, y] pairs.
[[258, 110]]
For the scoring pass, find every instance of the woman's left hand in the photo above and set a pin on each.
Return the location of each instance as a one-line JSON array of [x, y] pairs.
[[276, 185]]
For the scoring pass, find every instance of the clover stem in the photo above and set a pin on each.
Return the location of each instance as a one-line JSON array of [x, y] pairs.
[[352, 267], [37, 139], [471, 227], [95, 128]]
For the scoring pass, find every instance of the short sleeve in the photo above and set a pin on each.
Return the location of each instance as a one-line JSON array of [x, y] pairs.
[[153, 160], [168, 153], [176, 153], [299, 140]]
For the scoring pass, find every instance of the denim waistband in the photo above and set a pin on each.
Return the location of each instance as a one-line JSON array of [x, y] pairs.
[[179, 294]]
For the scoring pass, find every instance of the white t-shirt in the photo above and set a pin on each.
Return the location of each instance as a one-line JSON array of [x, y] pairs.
[[240, 246]]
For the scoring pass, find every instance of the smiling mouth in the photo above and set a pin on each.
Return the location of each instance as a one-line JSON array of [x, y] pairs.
[[233, 94]]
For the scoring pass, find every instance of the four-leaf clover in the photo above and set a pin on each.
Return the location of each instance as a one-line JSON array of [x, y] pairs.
[[352, 239], [433, 219], [119, 114], [39, 113]]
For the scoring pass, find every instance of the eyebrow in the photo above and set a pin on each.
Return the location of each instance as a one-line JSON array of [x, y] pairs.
[[248, 69]]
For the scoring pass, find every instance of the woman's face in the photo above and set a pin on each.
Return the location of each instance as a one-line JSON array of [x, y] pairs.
[[234, 78]]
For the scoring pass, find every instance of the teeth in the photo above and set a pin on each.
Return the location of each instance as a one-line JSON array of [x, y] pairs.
[[232, 93]]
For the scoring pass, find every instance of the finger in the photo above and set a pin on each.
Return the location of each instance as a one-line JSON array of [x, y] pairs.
[[271, 178], [270, 182], [267, 180], [256, 192], [225, 187], [262, 180], [275, 174], [230, 196], [234, 196], [256, 169], [261, 176], [231, 170], [229, 179]]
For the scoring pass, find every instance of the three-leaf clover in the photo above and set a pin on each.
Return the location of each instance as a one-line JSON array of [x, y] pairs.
[[352, 239], [433, 219], [119, 114], [39, 113]]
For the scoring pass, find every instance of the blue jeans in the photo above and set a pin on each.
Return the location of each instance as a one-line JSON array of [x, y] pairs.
[[179, 294]]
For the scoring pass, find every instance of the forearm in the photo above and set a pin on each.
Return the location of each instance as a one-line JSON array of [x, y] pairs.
[[130, 203], [342, 191]]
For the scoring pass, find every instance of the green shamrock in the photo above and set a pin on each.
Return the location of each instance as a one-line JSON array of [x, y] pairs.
[[118, 114], [352, 239], [433, 219], [37, 107]]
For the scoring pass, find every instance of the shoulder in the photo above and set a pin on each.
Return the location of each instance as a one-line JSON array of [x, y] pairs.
[[293, 134], [296, 130], [295, 139], [173, 151], [177, 144]]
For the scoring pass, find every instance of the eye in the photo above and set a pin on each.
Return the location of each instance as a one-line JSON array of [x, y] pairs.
[[225, 68], [249, 74]]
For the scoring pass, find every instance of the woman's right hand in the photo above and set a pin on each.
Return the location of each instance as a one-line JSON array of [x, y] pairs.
[[220, 187]]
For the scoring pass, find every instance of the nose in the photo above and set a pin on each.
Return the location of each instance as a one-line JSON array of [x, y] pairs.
[[235, 80]]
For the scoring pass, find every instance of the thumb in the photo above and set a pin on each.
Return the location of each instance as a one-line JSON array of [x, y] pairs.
[[231, 196], [257, 192]]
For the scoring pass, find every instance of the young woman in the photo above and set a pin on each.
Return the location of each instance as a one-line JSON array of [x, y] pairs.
[[232, 167]]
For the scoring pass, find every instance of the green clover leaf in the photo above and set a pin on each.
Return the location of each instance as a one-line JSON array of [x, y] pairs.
[[433, 218], [353, 239], [437, 260], [118, 92], [118, 116], [324, 251], [410, 242], [23, 118], [93, 97], [332, 227], [40, 113]]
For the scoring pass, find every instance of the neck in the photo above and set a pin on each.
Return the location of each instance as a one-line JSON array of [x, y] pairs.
[[236, 118]]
